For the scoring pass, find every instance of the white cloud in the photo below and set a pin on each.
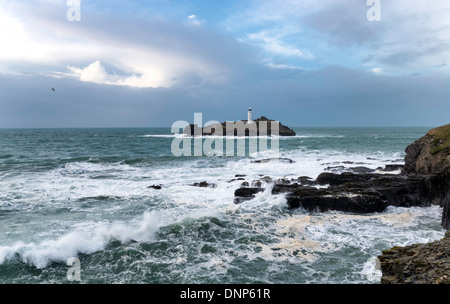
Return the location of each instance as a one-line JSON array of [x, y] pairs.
[[284, 66], [377, 71], [96, 73], [194, 20], [143, 53], [274, 43]]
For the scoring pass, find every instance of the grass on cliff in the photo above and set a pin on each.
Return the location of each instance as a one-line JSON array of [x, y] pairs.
[[441, 139]]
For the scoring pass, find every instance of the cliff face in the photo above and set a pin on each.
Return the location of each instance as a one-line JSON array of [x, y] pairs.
[[427, 158], [430, 156]]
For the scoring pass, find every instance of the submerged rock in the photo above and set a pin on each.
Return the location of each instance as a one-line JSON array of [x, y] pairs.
[[157, 187], [276, 160], [204, 184]]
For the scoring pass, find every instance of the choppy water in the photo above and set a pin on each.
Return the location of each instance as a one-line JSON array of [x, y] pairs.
[[84, 193]]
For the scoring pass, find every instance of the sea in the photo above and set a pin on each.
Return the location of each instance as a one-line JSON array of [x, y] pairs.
[[80, 201]]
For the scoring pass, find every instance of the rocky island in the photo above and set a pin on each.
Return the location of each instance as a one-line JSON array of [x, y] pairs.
[[262, 126]]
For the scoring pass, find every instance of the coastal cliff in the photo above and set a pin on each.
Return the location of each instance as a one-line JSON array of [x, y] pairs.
[[427, 158]]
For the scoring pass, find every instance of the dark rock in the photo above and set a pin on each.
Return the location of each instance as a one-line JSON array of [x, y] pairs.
[[157, 187], [266, 179], [306, 180], [245, 184], [244, 194], [333, 179], [282, 181], [256, 183], [278, 159], [204, 184], [390, 168], [240, 175], [236, 179], [335, 168], [417, 264], [357, 193], [361, 169]]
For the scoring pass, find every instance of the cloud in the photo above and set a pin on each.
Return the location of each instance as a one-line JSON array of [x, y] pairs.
[[96, 73], [377, 71], [147, 52], [193, 20], [411, 36], [273, 44]]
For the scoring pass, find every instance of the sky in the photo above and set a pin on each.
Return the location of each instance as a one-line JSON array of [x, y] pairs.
[[306, 63]]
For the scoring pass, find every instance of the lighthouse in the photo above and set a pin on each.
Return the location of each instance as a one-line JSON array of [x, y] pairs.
[[249, 119]]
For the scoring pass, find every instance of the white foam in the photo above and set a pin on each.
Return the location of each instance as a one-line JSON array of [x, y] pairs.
[[94, 237]]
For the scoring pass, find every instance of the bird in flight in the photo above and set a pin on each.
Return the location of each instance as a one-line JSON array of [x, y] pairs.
[[53, 89]]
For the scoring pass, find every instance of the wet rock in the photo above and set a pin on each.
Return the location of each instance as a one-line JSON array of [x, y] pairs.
[[277, 159], [357, 193], [256, 183], [157, 187], [417, 264], [361, 169], [244, 194], [333, 179], [325, 199], [245, 184], [204, 184], [390, 168], [282, 181], [335, 168], [266, 179], [236, 179], [306, 180]]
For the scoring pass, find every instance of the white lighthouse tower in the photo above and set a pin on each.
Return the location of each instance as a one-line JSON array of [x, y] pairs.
[[249, 119]]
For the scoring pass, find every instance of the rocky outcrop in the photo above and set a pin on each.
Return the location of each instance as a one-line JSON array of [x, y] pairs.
[[417, 264], [427, 158], [356, 193], [429, 154], [262, 126]]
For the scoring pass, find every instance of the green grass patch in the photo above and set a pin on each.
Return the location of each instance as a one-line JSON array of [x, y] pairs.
[[441, 139]]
